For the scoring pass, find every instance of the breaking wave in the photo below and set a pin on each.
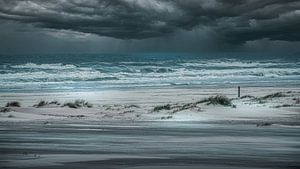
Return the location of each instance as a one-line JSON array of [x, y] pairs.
[[58, 66], [101, 75]]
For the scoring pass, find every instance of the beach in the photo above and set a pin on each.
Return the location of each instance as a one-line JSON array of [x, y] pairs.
[[148, 145], [139, 105], [135, 129], [158, 84], [148, 111]]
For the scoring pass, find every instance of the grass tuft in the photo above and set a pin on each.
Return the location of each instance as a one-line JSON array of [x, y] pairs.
[[41, 104], [262, 124], [284, 105], [54, 102], [10, 116], [70, 105], [78, 104], [44, 103], [219, 100], [273, 95], [5, 110], [166, 118], [132, 106], [163, 107], [215, 100], [13, 104], [248, 96]]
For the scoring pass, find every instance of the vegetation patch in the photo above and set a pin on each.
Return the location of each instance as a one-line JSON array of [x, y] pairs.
[[219, 100], [5, 109], [186, 107], [215, 100], [55, 102], [284, 105], [13, 104], [166, 118], [162, 107], [76, 116], [132, 106], [10, 116], [41, 103], [273, 95], [263, 99], [248, 97], [128, 111], [44, 103], [78, 104], [263, 124]]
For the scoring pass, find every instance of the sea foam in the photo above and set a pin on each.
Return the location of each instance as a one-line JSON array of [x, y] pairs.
[[137, 72]]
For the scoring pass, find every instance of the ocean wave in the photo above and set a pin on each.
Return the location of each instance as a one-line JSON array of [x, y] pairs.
[[108, 78], [232, 63], [5, 71], [161, 73], [56, 66], [153, 73], [156, 70], [55, 77]]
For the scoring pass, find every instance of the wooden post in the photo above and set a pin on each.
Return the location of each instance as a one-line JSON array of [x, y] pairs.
[[239, 91]]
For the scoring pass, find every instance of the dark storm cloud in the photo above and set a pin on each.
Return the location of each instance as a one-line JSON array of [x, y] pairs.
[[234, 21]]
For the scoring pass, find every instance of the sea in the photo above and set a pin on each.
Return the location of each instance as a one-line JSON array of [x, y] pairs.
[[97, 72]]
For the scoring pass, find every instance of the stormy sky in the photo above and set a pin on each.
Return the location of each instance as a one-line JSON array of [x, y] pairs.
[[29, 26]]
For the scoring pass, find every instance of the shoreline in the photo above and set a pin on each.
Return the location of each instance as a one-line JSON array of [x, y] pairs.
[[153, 87]]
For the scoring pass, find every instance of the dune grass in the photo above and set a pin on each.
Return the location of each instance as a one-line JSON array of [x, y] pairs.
[[284, 105], [264, 99], [273, 95], [219, 100], [214, 100], [10, 116], [131, 106], [13, 104], [5, 109], [78, 104], [44, 103], [166, 118], [41, 103], [162, 107], [247, 97], [54, 102]]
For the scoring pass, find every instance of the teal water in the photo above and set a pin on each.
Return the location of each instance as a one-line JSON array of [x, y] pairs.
[[90, 72]]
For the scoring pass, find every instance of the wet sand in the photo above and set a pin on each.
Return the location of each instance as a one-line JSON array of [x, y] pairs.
[[147, 145]]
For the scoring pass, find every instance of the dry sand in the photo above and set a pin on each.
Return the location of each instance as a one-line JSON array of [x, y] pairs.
[[138, 105]]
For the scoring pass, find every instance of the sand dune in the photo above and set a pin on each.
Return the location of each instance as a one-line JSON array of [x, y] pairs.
[[159, 104]]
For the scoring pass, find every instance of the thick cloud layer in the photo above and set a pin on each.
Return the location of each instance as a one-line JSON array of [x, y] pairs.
[[234, 21]]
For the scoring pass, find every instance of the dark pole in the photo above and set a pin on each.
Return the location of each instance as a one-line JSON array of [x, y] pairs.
[[239, 91]]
